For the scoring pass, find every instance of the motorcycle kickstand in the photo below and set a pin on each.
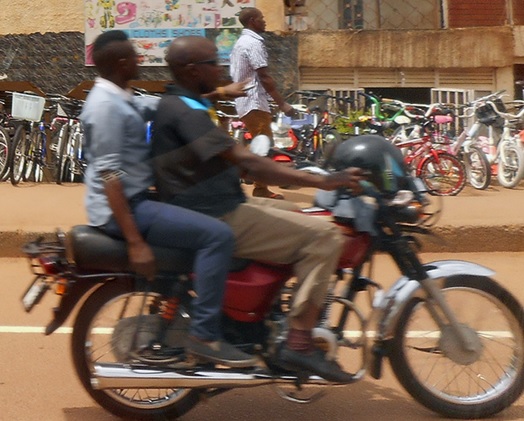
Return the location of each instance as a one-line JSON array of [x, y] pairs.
[[301, 379]]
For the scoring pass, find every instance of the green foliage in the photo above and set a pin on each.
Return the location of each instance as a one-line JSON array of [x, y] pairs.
[[346, 124]]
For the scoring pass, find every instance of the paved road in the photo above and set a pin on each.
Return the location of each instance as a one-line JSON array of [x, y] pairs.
[[37, 378]]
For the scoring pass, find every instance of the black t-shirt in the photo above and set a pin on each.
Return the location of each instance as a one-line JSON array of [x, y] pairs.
[[186, 148]]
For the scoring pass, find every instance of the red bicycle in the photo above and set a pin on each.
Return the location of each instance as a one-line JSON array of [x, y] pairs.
[[442, 173]]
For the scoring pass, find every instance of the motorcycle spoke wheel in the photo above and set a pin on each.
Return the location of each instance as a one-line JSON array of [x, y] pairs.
[[478, 169], [103, 333], [443, 175], [510, 166], [434, 368]]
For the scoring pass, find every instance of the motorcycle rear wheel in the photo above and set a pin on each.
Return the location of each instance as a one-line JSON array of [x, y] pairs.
[[93, 342], [427, 365]]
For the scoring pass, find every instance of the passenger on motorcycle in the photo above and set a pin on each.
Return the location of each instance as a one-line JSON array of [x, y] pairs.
[[198, 166], [119, 175]]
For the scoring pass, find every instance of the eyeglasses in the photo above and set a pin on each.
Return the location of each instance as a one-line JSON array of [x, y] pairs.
[[212, 62]]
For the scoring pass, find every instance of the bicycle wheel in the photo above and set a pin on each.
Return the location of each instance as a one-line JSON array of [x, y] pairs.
[[442, 174], [478, 169], [18, 158], [63, 146], [510, 167], [5, 142], [36, 161], [439, 373]]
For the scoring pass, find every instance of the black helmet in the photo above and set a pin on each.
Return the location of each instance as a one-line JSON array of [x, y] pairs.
[[375, 154]]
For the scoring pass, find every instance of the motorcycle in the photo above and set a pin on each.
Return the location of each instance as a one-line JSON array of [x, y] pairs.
[[453, 336]]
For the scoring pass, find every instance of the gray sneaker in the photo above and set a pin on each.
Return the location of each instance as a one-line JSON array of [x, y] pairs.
[[219, 352]]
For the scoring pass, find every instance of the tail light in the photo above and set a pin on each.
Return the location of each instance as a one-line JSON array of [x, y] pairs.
[[50, 265]]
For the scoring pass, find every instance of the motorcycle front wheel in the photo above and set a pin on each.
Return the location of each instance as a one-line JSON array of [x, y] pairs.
[[101, 335], [440, 374]]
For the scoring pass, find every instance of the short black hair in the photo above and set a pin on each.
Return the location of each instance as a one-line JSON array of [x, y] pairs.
[[108, 48], [108, 37]]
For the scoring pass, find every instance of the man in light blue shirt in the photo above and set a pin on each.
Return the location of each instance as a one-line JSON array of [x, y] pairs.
[[118, 177]]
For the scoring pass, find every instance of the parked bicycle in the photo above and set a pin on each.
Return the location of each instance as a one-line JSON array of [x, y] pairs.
[[442, 173], [28, 155], [5, 144], [67, 140], [499, 153], [309, 136]]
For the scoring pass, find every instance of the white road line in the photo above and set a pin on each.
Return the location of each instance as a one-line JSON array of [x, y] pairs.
[[349, 334], [41, 329]]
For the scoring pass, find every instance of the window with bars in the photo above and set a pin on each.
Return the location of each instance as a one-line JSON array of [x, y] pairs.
[[404, 14]]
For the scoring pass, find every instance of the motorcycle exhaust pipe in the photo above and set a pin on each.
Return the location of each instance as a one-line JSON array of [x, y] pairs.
[[114, 376]]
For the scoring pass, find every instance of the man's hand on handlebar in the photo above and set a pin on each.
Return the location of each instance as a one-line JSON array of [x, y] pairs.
[[349, 178]]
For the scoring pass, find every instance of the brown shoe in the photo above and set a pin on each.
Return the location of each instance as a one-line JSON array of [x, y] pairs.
[[265, 192]]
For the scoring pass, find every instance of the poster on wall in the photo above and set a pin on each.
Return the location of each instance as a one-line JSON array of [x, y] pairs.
[[152, 24]]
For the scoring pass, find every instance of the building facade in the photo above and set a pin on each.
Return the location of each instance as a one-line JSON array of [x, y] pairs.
[[414, 49]]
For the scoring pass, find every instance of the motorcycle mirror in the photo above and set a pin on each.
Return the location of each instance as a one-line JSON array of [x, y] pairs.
[[260, 145]]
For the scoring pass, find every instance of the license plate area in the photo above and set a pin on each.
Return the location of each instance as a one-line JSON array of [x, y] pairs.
[[34, 293]]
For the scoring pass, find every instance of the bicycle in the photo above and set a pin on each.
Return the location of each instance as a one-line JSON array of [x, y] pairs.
[[28, 155], [442, 173], [67, 144], [315, 137], [5, 144], [434, 123], [504, 148], [500, 153]]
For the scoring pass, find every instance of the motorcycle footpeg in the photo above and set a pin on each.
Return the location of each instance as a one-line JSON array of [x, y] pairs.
[[159, 355]]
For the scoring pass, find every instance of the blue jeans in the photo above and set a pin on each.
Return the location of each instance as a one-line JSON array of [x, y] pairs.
[[211, 240]]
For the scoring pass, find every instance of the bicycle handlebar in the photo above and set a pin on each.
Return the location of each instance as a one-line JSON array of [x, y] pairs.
[[494, 95], [506, 116]]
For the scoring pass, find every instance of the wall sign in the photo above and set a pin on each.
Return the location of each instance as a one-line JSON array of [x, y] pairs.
[[152, 24]]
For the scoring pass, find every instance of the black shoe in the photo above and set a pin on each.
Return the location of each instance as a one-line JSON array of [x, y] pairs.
[[314, 362], [219, 352]]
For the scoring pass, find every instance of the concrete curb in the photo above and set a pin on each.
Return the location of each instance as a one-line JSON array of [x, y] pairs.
[[445, 239]]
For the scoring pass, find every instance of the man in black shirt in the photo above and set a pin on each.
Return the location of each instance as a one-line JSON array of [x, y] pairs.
[[199, 166]]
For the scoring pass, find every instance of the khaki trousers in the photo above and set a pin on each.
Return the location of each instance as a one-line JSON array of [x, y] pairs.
[[269, 230], [258, 122]]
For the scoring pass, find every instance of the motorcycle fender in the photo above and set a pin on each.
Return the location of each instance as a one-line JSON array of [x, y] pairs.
[[394, 301], [67, 303]]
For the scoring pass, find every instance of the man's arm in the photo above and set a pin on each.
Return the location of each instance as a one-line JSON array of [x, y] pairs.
[[140, 254], [231, 91], [270, 86], [267, 171]]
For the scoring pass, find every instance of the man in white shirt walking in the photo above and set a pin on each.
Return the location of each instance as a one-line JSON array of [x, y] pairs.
[[249, 61]]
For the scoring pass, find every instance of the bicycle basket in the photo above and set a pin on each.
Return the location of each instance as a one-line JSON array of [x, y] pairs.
[[70, 108], [27, 107], [488, 116]]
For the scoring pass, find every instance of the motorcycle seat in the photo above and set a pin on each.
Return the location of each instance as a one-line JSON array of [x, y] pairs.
[[94, 250]]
